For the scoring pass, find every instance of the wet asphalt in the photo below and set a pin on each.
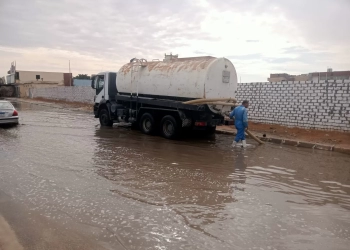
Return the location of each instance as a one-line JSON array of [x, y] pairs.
[[67, 183]]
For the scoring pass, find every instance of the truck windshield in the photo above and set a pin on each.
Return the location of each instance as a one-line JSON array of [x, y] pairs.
[[100, 82]]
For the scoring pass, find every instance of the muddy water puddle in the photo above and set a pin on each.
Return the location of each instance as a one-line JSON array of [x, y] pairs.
[[132, 191]]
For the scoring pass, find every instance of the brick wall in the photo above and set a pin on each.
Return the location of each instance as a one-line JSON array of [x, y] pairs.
[[324, 105], [72, 94]]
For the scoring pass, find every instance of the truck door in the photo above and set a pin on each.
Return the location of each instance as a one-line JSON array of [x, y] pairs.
[[99, 84]]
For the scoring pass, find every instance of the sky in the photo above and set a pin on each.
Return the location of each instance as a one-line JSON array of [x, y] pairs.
[[259, 36]]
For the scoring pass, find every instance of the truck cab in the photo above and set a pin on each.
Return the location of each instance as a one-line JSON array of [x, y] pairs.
[[102, 90], [104, 93]]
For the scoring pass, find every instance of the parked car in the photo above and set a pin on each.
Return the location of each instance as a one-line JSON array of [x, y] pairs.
[[8, 113]]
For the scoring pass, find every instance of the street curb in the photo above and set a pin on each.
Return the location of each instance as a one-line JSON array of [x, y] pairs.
[[294, 143]]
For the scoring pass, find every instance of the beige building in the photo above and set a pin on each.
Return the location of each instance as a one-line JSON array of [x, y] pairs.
[[303, 77], [315, 77], [286, 77], [25, 80], [22, 77]]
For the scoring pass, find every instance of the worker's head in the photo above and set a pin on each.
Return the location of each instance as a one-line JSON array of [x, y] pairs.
[[245, 103]]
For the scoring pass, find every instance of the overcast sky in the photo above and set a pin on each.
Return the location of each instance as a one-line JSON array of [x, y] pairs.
[[259, 36]]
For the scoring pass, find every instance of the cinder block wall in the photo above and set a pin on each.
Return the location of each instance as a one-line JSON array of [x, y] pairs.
[[71, 93], [324, 105]]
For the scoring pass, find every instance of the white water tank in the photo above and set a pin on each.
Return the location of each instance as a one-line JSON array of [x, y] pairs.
[[192, 78]]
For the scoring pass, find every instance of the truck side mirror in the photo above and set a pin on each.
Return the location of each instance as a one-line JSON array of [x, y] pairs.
[[93, 82]]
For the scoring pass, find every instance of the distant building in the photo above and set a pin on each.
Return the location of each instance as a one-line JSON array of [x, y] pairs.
[[82, 82], [22, 77], [330, 75], [315, 76], [280, 77], [25, 80]]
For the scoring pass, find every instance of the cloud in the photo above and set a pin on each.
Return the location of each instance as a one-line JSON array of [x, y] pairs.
[[113, 31], [320, 21], [258, 36], [246, 57]]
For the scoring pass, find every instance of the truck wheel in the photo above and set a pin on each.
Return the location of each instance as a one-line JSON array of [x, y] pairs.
[[169, 127], [147, 124], [105, 121]]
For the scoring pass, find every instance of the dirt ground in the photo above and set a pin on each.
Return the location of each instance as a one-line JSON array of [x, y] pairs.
[[336, 138], [77, 105], [8, 239], [312, 135]]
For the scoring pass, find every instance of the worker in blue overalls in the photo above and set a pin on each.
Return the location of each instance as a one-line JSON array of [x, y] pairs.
[[240, 115]]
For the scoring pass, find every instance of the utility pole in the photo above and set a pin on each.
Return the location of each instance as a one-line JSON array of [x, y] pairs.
[[69, 66]]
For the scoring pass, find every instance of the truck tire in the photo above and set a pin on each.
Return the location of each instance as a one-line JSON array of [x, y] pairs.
[[147, 124], [105, 121], [169, 127]]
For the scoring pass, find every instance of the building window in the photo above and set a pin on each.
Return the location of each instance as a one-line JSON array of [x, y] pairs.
[[17, 76], [37, 77]]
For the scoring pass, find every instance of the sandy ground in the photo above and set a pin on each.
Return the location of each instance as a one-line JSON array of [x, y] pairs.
[[8, 238], [331, 138], [77, 105]]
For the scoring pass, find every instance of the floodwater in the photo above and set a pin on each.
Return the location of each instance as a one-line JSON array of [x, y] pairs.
[[66, 183]]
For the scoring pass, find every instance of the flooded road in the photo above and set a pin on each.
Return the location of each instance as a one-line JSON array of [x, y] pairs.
[[66, 183]]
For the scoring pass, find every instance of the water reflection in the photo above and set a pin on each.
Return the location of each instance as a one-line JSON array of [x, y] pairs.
[[227, 194], [239, 175], [309, 179], [163, 173]]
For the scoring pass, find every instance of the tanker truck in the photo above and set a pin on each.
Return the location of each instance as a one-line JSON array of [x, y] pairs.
[[152, 95]]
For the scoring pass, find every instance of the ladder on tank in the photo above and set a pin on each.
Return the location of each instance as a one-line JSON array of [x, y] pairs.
[[135, 68]]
